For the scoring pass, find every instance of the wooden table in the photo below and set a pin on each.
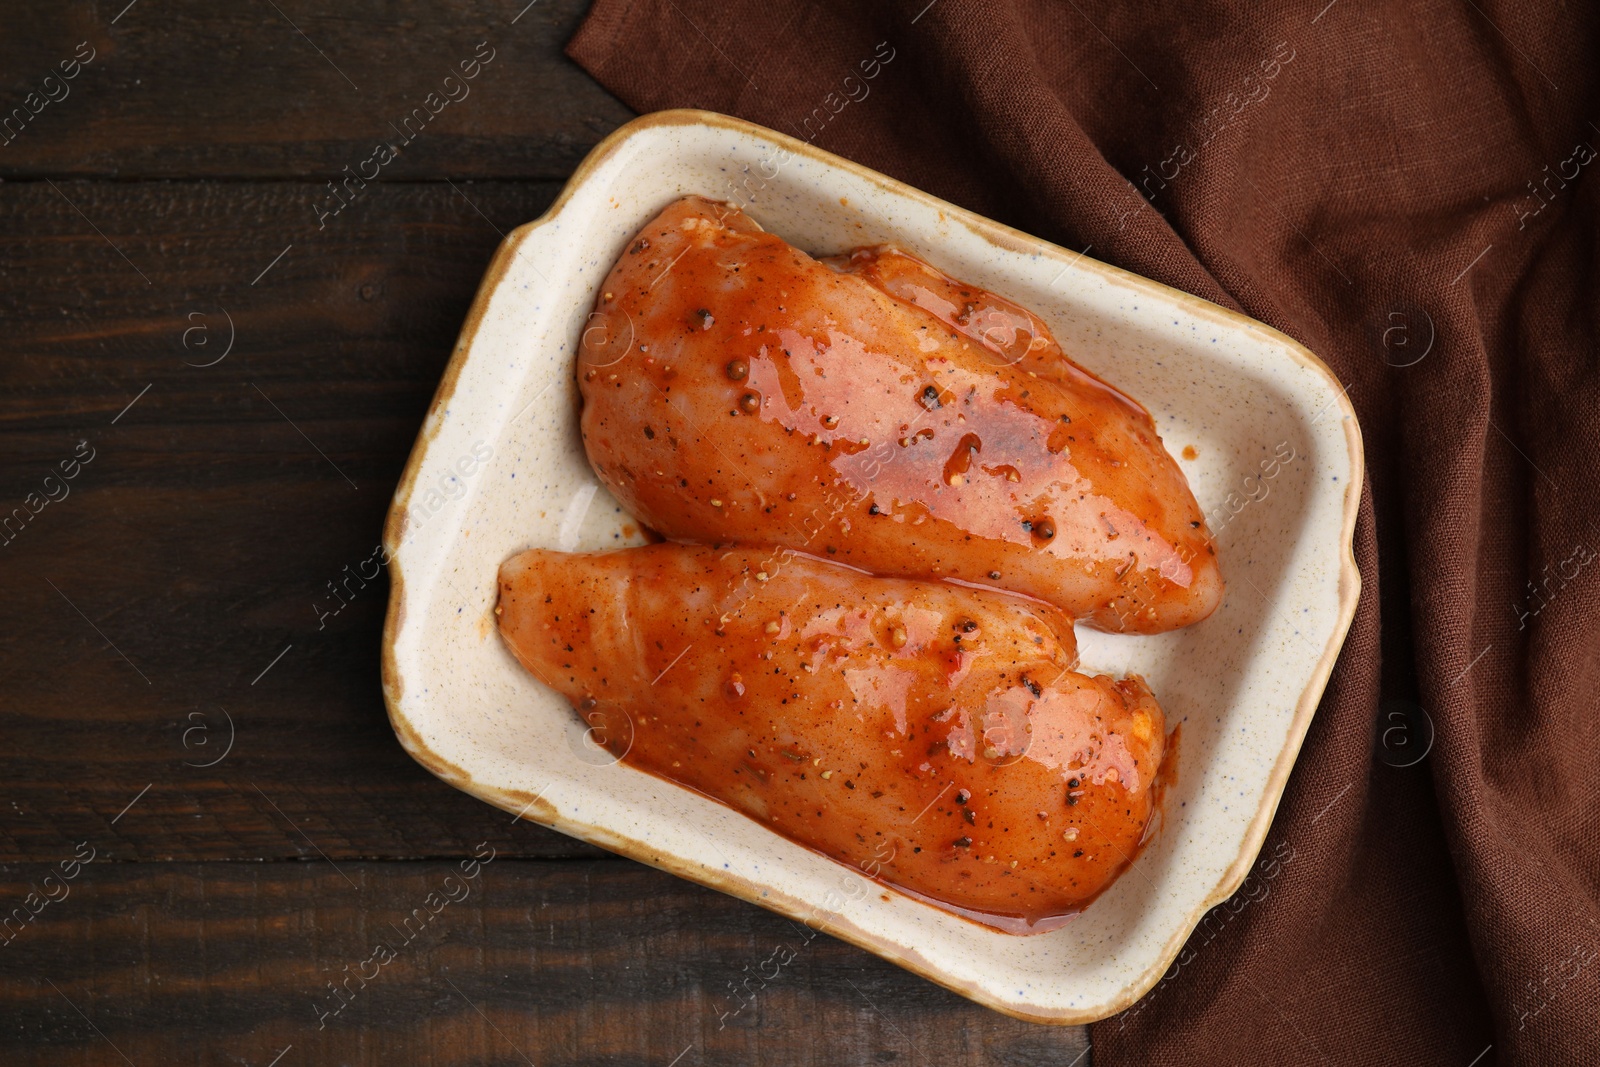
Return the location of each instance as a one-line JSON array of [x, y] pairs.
[[212, 380]]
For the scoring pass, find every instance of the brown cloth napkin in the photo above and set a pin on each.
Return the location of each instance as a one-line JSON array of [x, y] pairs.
[[1409, 190]]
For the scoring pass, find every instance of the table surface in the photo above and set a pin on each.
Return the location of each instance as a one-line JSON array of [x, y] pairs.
[[206, 825]]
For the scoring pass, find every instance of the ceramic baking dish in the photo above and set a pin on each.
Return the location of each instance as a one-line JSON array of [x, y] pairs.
[[1264, 433]]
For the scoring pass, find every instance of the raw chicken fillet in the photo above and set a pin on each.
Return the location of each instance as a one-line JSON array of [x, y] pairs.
[[939, 737], [883, 415]]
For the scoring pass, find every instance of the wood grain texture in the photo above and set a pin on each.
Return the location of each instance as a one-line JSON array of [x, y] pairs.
[[166, 605], [596, 963], [188, 88], [198, 542]]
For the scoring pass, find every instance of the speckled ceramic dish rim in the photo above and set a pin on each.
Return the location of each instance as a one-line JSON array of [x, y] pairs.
[[536, 808]]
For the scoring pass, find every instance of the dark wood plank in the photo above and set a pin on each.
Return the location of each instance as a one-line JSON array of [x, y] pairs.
[[143, 608], [190, 88], [602, 962]]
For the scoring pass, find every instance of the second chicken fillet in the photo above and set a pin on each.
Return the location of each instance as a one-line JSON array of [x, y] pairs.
[[938, 737]]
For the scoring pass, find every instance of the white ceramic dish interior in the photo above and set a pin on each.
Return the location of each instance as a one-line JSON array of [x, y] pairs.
[[498, 467]]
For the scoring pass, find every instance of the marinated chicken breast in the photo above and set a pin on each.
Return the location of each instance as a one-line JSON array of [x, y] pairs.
[[878, 413], [936, 737]]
